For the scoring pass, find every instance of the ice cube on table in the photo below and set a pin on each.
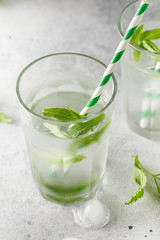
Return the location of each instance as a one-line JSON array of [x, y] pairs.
[[96, 213]]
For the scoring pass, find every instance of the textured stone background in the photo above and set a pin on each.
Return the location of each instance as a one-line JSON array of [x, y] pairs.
[[28, 30]]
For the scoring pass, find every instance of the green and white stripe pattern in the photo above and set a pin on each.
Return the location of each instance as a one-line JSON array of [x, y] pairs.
[[157, 68], [118, 54], [150, 104]]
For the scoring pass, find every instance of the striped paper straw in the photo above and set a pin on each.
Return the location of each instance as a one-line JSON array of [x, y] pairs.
[[150, 104], [116, 57], [145, 108], [157, 68]]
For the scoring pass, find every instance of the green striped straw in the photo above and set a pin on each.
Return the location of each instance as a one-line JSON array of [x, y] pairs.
[[157, 68], [118, 54], [150, 104]]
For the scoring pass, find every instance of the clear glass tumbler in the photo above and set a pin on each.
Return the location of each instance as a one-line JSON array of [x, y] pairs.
[[140, 81], [67, 170]]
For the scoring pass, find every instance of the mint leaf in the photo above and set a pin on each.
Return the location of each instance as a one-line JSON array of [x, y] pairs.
[[136, 55], [136, 36], [4, 118], [150, 46], [145, 43], [141, 46], [85, 141], [150, 34], [74, 159], [55, 130], [135, 41], [64, 114], [141, 179], [81, 128]]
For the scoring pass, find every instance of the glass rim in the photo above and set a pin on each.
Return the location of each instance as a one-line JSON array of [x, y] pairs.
[[122, 33], [56, 54]]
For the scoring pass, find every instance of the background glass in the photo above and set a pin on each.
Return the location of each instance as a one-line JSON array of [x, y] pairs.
[[67, 171], [140, 81]]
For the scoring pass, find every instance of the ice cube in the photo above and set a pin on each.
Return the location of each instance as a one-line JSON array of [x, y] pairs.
[[95, 213]]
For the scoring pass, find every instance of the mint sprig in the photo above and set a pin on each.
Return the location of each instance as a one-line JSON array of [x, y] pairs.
[[4, 118], [143, 40], [141, 179], [75, 130]]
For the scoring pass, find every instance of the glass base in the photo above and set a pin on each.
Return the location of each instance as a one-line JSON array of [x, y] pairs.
[[91, 214]]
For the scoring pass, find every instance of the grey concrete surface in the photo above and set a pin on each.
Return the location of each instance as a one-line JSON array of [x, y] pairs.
[[28, 30]]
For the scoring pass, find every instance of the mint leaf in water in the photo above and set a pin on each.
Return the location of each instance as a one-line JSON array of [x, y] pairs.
[[136, 55], [76, 129], [4, 118], [150, 34], [64, 114], [74, 159], [135, 41], [85, 141], [150, 46], [55, 130], [136, 36], [83, 127]]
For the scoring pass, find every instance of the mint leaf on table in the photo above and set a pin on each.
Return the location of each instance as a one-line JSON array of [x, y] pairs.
[[81, 128], [150, 34], [135, 40], [64, 114], [141, 179], [85, 141], [4, 118], [139, 193]]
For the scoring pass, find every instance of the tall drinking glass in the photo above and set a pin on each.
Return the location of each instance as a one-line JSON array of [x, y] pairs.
[[141, 81], [67, 169]]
